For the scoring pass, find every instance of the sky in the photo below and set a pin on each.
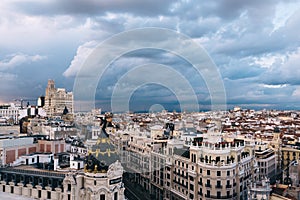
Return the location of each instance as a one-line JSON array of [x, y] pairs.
[[255, 46]]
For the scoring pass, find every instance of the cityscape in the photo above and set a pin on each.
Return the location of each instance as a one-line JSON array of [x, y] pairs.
[[54, 153], [149, 100]]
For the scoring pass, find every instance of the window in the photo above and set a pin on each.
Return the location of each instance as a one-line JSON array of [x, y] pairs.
[[208, 193], [218, 173], [208, 172], [102, 196], [69, 187], [191, 196], [208, 183], [192, 187], [228, 173], [200, 170], [228, 194], [218, 195], [116, 196], [218, 183]]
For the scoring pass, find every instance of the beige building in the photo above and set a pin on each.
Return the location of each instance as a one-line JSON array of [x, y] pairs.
[[204, 170], [101, 179], [61, 185], [57, 100], [290, 162], [266, 160], [211, 171]]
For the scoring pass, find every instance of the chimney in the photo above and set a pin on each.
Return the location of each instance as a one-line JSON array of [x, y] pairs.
[[55, 163]]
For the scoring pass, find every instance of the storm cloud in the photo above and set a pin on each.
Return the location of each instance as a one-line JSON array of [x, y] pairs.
[[254, 44]]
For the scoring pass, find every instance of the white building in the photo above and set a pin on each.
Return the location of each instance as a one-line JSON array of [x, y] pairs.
[[9, 114]]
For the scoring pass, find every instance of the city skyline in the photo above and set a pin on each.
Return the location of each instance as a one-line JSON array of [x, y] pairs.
[[254, 45]]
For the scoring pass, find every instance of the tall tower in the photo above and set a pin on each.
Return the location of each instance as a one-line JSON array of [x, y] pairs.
[[50, 88], [57, 99]]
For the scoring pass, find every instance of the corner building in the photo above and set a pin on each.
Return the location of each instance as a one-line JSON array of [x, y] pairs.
[[210, 171], [101, 178]]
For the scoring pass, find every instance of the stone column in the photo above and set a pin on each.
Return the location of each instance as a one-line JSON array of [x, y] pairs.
[[36, 192], [8, 187], [58, 194], [27, 191], [18, 189], [45, 192], [2, 185]]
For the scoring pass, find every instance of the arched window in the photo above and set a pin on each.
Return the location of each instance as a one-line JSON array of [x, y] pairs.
[[102, 196]]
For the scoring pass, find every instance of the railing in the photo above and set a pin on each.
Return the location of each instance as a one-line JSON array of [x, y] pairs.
[[208, 185], [32, 172], [219, 186], [221, 197]]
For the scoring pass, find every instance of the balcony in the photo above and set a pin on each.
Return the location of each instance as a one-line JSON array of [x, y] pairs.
[[228, 186], [221, 197], [219, 186], [208, 185]]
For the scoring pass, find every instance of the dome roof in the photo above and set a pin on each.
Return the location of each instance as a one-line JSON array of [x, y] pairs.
[[101, 155]]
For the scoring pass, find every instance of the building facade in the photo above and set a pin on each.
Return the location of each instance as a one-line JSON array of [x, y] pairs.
[[9, 114], [201, 170], [266, 160], [57, 100]]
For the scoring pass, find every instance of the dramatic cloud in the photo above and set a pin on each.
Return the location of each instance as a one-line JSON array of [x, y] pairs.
[[255, 45], [91, 7], [81, 55]]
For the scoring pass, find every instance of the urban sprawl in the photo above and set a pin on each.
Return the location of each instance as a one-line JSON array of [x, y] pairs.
[[48, 151]]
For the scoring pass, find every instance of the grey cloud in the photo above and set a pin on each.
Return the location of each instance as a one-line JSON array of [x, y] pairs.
[[90, 7], [241, 69]]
